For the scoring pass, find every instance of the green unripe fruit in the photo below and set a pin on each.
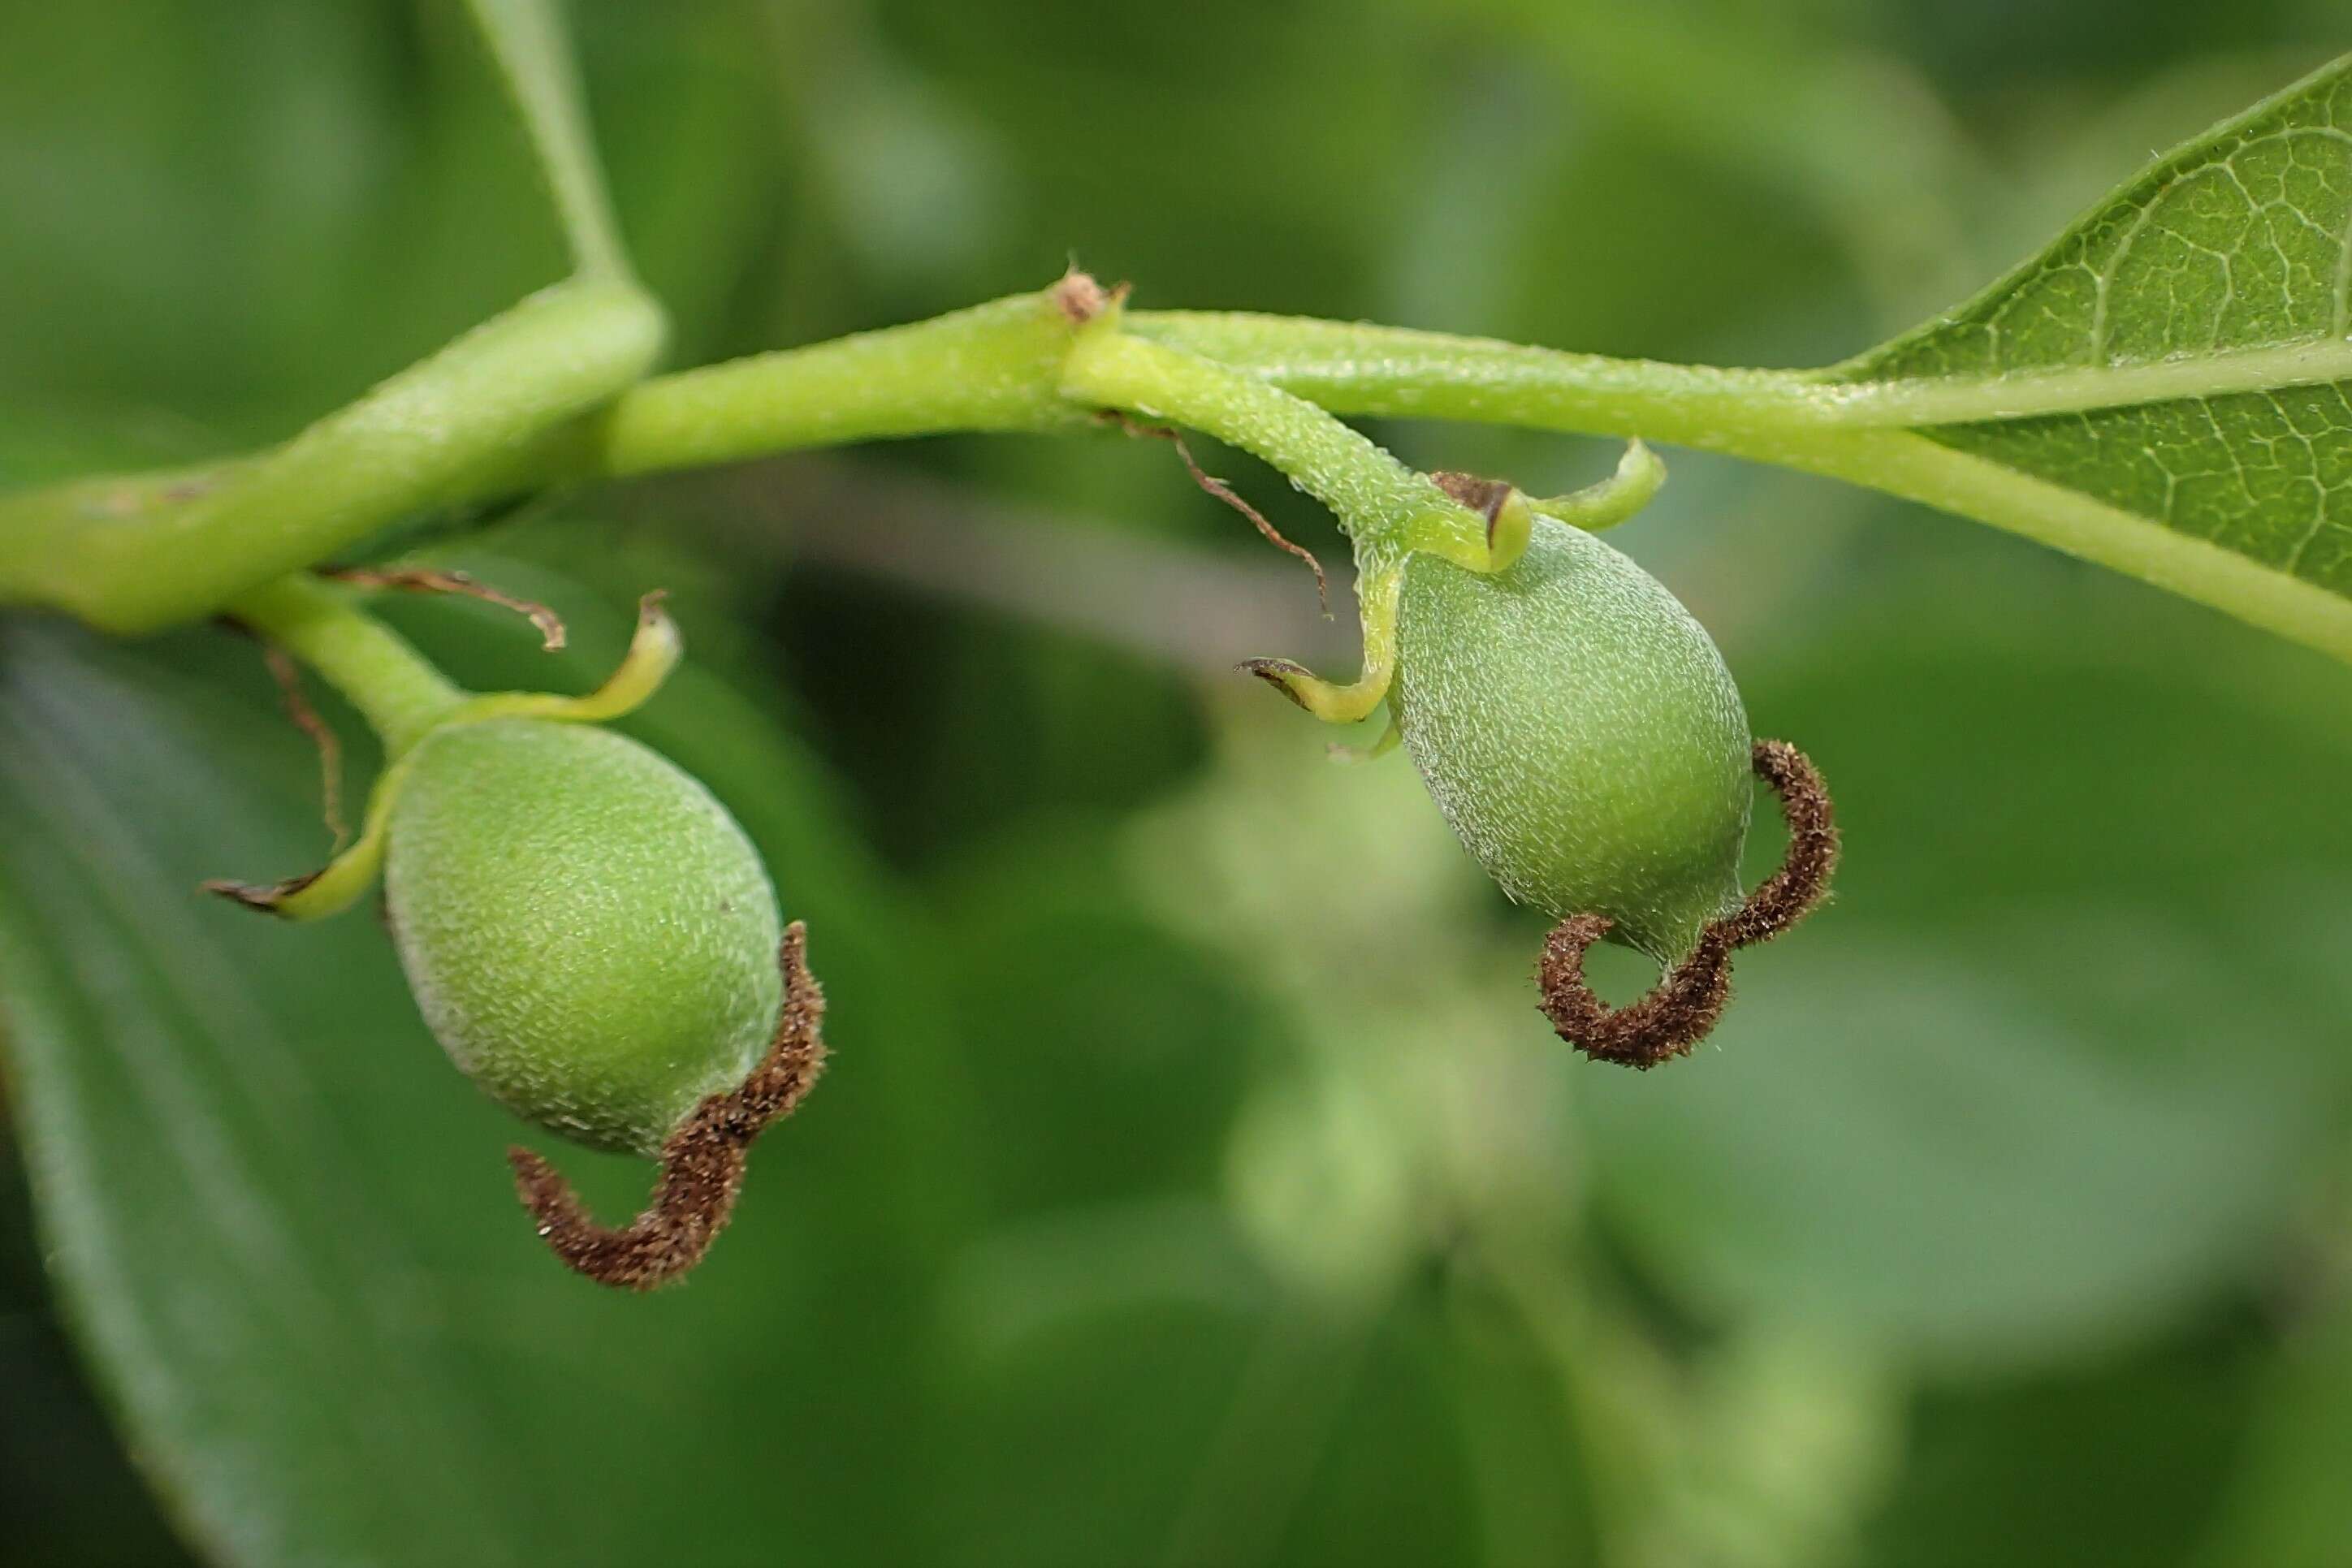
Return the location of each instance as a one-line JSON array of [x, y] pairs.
[[587, 932], [1581, 733]]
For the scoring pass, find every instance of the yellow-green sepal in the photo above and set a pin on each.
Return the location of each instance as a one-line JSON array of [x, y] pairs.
[[654, 651], [1641, 474]]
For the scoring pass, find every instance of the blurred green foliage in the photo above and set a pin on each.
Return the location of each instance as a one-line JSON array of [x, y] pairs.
[[1196, 1182]]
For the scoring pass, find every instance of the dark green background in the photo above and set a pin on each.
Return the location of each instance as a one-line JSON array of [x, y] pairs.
[[1196, 1182]]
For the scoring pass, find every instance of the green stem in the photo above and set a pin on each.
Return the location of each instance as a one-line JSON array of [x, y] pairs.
[[543, 395], [1385, 507], [1354, 368], [1765, 415], [399, 692], [549, 393], [532, 399], [993, 367], [138, 554]]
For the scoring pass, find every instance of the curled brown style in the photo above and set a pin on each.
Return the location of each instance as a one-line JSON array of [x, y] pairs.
[[1680, 1010]]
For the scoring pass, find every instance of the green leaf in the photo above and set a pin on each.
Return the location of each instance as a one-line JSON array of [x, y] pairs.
[[2115, 1461], [2287, 1500], [67, 1489], [196, 1207], [178, 545], [2179, 359]]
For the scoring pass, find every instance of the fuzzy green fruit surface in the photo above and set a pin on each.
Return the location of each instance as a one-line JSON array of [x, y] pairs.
[[587, 932], [1579, 731]]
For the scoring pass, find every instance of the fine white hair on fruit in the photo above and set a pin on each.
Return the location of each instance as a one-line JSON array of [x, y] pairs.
[[1581, 733], [588, 933]]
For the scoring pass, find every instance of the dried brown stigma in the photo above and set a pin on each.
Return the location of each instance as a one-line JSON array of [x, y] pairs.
[[1230, 497], [701, 1162], [1278, 674], [321, 734], [424, 579], [1680, 1010], [265, 897]]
